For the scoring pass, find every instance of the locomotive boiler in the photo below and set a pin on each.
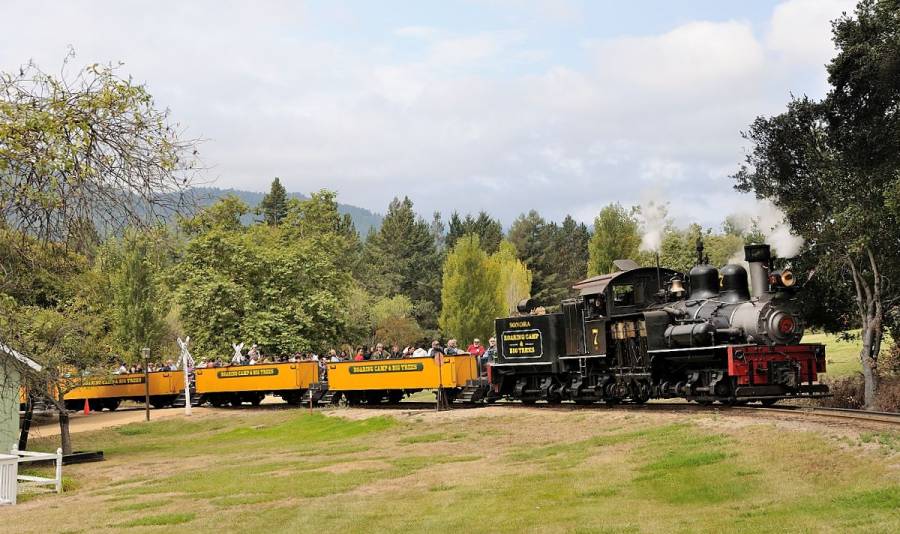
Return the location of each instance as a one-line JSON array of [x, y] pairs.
[[650, 332]]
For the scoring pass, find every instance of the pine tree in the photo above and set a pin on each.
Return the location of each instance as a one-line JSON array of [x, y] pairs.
[[533, 239], [455, 230], [488, 230], [437, 232], [402, 259], [273, 207], [470, 292], [572, 253]]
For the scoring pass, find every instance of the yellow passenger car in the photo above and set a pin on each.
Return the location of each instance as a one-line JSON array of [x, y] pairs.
[[250, 383], [109, 391], [376, 380]]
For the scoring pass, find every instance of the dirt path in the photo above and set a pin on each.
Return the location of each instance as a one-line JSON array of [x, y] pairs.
[[78, 422]]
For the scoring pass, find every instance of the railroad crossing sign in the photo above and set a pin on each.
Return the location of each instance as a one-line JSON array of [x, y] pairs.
[[187, 365]]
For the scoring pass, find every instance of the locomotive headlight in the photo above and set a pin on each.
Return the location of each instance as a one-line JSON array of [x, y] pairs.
[[787, 278], [786, 325]]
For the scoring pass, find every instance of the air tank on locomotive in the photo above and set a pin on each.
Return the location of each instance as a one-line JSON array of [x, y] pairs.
[[721, 308]]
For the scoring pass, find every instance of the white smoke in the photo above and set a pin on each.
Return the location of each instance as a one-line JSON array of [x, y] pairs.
[[653, 219], [766, 217]]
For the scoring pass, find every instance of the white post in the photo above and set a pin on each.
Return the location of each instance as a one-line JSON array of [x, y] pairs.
[[59, 458], [187, 362]]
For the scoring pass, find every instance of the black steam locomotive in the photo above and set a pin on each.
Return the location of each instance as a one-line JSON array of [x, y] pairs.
[[643, 333]]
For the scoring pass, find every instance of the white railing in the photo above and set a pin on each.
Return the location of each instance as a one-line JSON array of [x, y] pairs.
[[28, 456], [9, 470]]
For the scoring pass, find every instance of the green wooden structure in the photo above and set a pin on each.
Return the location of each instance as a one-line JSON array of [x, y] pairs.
[[12, 365]]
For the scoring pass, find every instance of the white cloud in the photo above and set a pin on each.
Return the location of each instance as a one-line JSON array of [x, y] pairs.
[[800, 30], [418, 32], [692, 57], [443, 120]]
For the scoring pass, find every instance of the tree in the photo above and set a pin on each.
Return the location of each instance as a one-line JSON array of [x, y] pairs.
[[488, 230], [572, 255], [394, 322], [86, 149], [833, 166], [137, 316], [80, 153], [470, 291], [317, 218], [437, 232], [533, 239], [514, 281], [401, 258], [270, 285], [273, 207], [616, 236]]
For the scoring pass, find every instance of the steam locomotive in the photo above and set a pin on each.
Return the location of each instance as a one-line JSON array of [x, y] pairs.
[[642, 333]]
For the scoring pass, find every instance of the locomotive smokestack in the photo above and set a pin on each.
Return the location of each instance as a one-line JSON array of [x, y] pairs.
[[759, 257]]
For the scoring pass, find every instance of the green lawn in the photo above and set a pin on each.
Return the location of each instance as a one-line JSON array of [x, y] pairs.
[[485, 470], [842, 357]]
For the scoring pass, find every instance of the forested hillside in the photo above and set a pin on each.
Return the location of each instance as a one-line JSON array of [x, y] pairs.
[[363, 219]]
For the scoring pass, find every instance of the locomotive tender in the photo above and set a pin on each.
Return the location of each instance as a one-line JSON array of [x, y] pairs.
[[643, 333]]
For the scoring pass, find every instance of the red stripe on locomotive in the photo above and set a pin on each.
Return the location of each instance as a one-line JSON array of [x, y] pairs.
[[743, 359]]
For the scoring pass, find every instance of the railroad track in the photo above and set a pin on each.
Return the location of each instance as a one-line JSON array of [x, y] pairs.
[[809, 411], [836, 413]]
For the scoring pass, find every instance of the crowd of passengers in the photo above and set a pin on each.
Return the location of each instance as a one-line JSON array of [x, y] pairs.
[[255, 357], [152, 367]]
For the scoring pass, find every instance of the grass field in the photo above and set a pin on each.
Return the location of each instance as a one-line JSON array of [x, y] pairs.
[[842, 357], [479, 470]]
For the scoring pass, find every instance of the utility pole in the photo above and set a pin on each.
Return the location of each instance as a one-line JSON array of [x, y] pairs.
[[145, 356]]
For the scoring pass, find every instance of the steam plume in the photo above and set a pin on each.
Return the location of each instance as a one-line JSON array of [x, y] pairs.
[[771, 222], [653, 224]]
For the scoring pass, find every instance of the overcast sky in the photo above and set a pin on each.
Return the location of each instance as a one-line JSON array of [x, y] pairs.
[[561, 106]]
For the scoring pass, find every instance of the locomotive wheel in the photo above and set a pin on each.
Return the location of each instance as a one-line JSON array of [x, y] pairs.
[[769, 402], [257, 399], [640, 394], [217, 401], [111, 404], [528, 402], [395, 397]]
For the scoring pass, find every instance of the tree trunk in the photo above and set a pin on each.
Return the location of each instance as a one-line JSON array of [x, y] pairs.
[[869, 364], [64, 437], [871, 315]]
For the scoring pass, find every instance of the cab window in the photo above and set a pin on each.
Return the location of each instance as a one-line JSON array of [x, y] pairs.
[[627, 295]]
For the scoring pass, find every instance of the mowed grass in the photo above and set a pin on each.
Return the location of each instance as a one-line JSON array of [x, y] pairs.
[[841, 356], [490, 470]]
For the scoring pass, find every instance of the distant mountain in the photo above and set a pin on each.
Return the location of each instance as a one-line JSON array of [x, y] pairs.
[[363, 219]]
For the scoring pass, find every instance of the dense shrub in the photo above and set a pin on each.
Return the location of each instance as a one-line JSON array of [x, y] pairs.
[[888, 398], [848, 393]]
